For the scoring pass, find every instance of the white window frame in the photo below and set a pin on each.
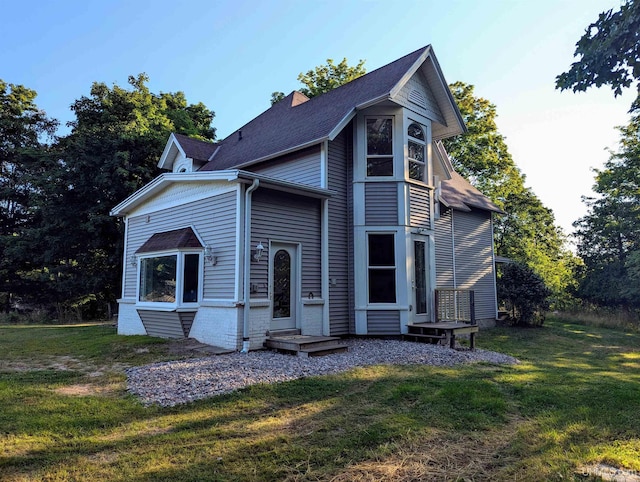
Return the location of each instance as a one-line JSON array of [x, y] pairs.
[[180, 261], [393, 268], [366, 147], [421, 142]]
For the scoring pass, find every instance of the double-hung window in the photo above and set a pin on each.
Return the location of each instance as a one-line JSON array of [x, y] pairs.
[[417, 152], [379, 146], [382, 268]]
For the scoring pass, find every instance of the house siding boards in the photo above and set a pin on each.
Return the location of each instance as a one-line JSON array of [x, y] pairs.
[[419, 206], [444, 250], [269, 211], [340, 243], [384, 322], [381, 203], [303, 168], [214, 219], [416, 95], [474, 260], [163, 324]]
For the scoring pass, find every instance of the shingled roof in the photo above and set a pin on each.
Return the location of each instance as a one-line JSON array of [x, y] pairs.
[[294, 123], [458, 193], [196, 149]]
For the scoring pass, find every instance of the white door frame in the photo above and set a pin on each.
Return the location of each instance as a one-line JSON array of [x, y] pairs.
[[424, 317], [294, 251]]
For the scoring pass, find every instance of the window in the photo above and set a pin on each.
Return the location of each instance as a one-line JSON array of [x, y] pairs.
[[382, 268], [159, 281], [380, 146], [417, 152]]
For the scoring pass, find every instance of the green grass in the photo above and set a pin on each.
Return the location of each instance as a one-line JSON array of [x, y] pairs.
[[572, 402]]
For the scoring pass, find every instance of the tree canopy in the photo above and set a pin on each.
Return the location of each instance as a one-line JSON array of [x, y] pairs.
[[527, 232], [71, 248], [325, 78], [609, 234], [608, 53]]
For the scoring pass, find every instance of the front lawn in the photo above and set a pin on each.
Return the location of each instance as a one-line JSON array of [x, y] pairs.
[[572, 403]]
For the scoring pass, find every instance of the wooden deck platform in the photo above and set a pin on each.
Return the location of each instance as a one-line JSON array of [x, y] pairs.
[[443, 333], [305, 346]]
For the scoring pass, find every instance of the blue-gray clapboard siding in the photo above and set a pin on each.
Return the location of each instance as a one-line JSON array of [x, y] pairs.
[[385, 322], [419, 206], [444, 249], [167, 324], [474, 259], [417, 96], [381, 203], [340, 161], [288, 218], [302, 167], [214, 219]]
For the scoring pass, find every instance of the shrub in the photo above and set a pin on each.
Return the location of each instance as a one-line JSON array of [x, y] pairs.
[[523, 293]]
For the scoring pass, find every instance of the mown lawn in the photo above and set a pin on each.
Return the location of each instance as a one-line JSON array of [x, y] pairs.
[[573, 402]]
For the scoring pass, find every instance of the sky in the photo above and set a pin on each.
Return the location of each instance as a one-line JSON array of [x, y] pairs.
[[232, 54]]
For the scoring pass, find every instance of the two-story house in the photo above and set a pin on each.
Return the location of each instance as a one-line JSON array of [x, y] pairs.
[[336, 215]]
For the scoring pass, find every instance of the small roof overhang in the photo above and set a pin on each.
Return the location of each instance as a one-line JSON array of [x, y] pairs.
[[164, 180], [175, 239]]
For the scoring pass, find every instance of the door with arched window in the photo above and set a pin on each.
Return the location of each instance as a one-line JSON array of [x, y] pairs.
[[283, 285]]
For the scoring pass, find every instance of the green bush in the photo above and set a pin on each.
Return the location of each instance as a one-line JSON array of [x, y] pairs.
[[524, 295]]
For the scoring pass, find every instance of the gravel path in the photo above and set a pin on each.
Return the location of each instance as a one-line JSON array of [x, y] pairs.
[[176, 382]]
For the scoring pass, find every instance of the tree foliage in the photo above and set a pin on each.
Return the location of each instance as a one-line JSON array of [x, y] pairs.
[[524, 293], [24, 128], [118, 134], [609, 234], [609, 53], [527, 232], [325, 78]]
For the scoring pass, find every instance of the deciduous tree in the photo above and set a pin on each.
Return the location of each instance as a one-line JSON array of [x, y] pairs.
[[608, 53]]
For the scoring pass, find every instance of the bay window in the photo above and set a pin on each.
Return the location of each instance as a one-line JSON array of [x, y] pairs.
[[170, 278]]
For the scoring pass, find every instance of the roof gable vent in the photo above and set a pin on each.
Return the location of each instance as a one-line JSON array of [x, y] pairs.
[[417, 97]]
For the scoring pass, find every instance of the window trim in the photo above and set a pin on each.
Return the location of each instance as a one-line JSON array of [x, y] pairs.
[[423, 143], [377, 156], [393, 268], [180, 263]]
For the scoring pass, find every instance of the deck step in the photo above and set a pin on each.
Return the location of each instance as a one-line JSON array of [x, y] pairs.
[[323, 350], [287, 332], [311, 345]]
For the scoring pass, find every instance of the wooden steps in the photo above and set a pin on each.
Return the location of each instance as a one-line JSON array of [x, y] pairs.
[[442, 333], [305, 346]]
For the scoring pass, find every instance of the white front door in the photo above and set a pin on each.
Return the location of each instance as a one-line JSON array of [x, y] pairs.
[[420, 282], [283, 285]]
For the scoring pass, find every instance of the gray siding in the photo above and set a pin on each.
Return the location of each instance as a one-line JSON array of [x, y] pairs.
[[381, 203], [303, 167], [214, 219], [417, 96], [444, 250], [474, 259], [419, 206], [164, 324], [289, 218], [383, 322], [341, 316]]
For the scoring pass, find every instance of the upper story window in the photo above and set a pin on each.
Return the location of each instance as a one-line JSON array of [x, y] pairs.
[[417, 152], [379, 146]]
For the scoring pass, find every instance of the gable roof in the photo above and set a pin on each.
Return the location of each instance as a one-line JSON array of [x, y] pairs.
[[294, 123], [196, 149]]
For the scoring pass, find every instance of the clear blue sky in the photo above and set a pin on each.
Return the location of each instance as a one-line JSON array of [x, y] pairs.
[[231, 55]]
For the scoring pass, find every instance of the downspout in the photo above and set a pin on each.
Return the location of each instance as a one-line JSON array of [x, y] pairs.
[[247, 265]]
